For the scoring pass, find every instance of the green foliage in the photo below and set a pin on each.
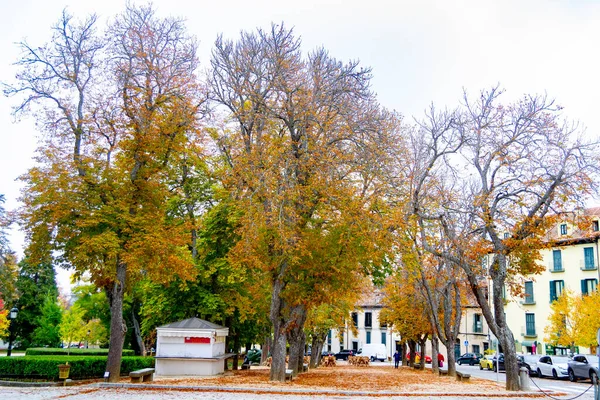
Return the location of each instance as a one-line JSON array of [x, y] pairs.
[[72, 327], [81, 367], [34, 283], [45, 351], [47, 332]]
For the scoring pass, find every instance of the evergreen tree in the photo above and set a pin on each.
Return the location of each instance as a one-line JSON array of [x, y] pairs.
[[47, 333], [34, 283]]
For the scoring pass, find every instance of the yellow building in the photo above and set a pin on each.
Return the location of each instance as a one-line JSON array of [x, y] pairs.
[[571, 263]]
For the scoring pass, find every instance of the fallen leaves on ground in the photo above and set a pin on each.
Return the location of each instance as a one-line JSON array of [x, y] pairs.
[[350, 378]]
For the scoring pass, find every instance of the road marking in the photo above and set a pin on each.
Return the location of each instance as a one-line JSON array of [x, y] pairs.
[[565, 389]]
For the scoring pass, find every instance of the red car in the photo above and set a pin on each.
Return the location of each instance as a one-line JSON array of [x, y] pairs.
[[418, 358]]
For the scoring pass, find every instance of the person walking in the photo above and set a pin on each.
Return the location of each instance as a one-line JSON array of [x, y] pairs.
[[440, 360], [396, 359]]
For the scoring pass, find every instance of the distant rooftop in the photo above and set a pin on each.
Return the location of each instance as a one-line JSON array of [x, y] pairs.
[[192, 323]]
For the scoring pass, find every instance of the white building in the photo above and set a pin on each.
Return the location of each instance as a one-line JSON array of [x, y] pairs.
[[191, 347]]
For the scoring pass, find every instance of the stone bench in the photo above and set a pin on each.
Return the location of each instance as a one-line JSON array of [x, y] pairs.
[[289, 374], [142, 375], [304, 367], [460, 376]]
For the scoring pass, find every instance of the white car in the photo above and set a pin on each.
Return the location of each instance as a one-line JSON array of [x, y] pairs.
[[553, 366]]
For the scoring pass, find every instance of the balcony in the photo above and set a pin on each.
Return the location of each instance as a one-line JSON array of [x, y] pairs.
[[587, 266], [555, 268], [528, 333]]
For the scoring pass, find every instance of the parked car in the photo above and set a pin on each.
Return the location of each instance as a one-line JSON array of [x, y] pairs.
[[530, 363], [486, 362], [253, 356], [344, 354], [418, 358], [581, 368], [469, 358], [554, 366]]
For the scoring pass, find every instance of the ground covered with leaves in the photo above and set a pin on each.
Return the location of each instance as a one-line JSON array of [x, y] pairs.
[[344, 378]]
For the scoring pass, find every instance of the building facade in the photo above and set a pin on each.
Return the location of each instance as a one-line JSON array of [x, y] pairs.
[[571, 263]]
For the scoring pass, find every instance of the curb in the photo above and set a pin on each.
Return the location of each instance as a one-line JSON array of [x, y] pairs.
[[311, 392]]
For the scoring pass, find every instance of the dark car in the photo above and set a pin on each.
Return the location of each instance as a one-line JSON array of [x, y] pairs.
[[529, 363], [469, 358], [580, 367], [344, 354]]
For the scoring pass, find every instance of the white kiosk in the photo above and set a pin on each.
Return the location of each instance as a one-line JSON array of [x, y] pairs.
[[191, 347]]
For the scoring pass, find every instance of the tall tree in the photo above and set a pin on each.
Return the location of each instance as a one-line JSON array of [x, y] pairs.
[[8, 259], [515, 166], [118, 109], [300, 140]]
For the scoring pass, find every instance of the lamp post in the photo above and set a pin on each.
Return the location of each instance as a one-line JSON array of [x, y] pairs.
[[87, 342], [13, 316]]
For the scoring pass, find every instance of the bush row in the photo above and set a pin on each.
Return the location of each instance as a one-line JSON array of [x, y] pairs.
[[42, 351], [82, 367]]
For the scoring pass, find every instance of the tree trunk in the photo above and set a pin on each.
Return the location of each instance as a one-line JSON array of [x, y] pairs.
[[412, 345], [422, 342], [451, 359], [318, 340], [296, 338], [510, 359], [265, 349], [279, 334], [138, 333], [435, 349], [117, 327], [236, 350]]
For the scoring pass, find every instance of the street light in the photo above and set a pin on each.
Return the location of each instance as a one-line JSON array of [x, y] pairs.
[[87, 342], [13, 316]]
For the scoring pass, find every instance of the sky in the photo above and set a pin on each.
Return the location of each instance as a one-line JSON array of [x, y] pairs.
[[421, 52]]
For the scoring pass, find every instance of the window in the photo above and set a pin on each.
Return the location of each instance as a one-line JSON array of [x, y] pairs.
[[476, 348], [329, 337], [383, 338], [557, 260], [477, 324], [355, 319], [506, 235], [368, 320], [556, 289], [368, 337], [530, 324], [595, 226], [588, 258], [529, 293], [588, 286], [563, 229]]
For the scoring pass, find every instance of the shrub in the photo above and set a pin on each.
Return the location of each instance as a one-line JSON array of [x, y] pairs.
[[82, 367], [42, 351]]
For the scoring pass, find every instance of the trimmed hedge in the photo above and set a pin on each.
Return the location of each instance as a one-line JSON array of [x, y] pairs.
[[42, 351], [82, 367]]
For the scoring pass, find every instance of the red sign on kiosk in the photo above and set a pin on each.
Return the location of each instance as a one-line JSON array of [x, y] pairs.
[[194, 339]]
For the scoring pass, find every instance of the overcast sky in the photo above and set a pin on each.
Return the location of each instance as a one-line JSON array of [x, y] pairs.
[[421, 51]]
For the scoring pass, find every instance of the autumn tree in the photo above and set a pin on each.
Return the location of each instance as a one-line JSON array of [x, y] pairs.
[[573, 320], [562, 327], [4, 322], [8, 259], [117, 109], [513, 167], [299, 136]]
